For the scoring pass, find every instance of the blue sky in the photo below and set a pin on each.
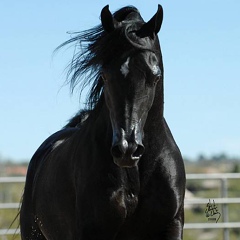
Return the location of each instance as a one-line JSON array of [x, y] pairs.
[[200, 42]]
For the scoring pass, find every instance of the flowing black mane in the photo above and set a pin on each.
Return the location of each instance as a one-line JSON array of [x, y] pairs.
[[96, 48]]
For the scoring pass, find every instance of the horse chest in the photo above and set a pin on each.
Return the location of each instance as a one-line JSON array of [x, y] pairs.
[[124, 201]]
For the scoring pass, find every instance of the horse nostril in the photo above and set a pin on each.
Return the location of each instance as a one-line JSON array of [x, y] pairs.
[[138, 152], [120, 149], [116, 152], [133, 151]]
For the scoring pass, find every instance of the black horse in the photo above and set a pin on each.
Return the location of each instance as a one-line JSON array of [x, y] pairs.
[[114, 172]]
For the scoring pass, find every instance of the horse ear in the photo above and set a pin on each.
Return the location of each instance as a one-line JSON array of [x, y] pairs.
[[152, 27], [107, 19]]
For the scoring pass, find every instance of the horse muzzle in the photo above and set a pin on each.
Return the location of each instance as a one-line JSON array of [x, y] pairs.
[[127, 149]]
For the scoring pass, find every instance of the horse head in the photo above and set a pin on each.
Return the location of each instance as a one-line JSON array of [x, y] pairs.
[[130, 80]]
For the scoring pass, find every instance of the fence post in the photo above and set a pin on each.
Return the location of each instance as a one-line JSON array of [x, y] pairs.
[[224, 194]]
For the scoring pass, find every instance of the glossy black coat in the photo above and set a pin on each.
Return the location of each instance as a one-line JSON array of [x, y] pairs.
[[114, 172]]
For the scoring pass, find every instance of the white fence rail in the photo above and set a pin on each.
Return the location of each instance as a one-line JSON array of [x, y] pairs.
[[6, 180], [223, 200]]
